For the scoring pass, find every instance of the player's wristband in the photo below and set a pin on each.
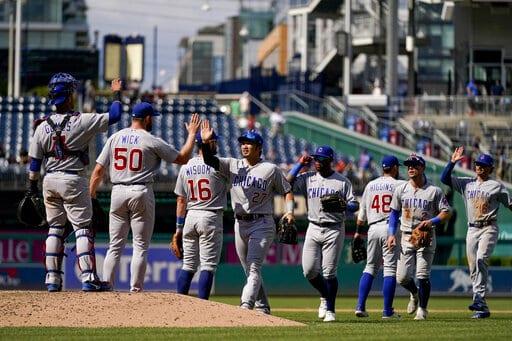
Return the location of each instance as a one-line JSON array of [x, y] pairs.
[[435, 221], [290, 206], [180, 222], [295, 169]]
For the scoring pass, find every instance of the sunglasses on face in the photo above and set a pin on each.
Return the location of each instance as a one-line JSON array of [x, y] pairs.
[[321, 158], [414, 165]]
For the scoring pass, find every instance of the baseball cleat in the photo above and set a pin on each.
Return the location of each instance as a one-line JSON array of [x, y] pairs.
[[481, 314], [393, 316], [361, 313], [413, 304], [421, 314], [322, 309], [245, 306], [477, 307], [54, 287], [263, 310], [106, 286], [92, 286], [329, 316]]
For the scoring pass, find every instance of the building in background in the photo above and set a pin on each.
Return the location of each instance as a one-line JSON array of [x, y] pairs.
[[55, 38]]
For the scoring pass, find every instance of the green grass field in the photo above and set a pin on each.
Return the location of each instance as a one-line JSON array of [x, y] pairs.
[[448, 319]]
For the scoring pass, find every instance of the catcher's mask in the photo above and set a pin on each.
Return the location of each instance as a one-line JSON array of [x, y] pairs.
[[61, 87]]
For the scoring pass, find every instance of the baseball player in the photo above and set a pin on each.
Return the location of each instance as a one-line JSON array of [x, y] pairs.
[[482, 197], [418, 204], [201, 192], [375, 210], [326, 230], [62, 141], [253, 185], [133, 156]]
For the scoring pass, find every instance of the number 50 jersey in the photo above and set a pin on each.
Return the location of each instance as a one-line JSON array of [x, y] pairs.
[[203, 187], [134, 155]]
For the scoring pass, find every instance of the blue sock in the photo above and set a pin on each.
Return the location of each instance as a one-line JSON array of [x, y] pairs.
[[411, 286], [319, 284], [332, 291], [388, 291], [184, 280], [424, 292], [365, 285], [205, 284]]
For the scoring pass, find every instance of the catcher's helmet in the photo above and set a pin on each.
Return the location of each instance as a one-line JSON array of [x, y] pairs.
[[251, 136], [485, 160], [61, 86]]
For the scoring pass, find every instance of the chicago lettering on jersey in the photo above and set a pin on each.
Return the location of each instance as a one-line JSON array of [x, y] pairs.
[[130, 139], [250, 181], [415, 203], [198, 170], [477, 193], [318, 192]]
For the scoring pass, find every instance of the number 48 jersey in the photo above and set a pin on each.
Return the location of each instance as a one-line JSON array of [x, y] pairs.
[[202, 186], [134, 155], [376, 200]]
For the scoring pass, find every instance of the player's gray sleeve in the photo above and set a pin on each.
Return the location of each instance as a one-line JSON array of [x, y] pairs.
[[443, 205], [35, 149], [225, 165], [504, 197], [396, 201], [94, 122], [104, 157], [281, 185], [459, 183], [180, 189], [349, 192], [164, 150], [362, 208]]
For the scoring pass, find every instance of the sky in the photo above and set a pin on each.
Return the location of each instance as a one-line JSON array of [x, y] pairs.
[[174, 18]]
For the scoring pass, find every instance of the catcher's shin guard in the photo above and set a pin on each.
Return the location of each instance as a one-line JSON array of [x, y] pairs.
[[54, 254], [86, 254]]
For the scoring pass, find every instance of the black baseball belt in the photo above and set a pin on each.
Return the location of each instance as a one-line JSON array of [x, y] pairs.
[[249, 216], [480, 224]]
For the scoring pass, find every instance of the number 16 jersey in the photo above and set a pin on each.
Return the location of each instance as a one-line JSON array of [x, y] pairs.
[[134, 155], [203, 187]]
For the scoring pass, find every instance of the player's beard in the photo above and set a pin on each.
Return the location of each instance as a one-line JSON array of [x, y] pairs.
[[149, 126]]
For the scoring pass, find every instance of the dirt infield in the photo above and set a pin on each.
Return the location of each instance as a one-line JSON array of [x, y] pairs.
[[121, 309]]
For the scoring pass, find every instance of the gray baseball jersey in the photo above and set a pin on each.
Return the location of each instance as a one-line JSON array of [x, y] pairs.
[[482, 200], [314, 187], [375, 209], [79, 130], [205, 191], [416, 204], [253, 187], [66, 194], [132, 156], [252, 192]]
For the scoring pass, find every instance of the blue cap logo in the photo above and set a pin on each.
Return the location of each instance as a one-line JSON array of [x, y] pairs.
[[485, 160], [324, 151]]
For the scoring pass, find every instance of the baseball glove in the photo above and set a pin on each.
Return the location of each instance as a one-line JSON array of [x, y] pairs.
[[286, 231], [358, 250], [31, 211], [333, 203], [99, 218], [421, 237], [176, 245]]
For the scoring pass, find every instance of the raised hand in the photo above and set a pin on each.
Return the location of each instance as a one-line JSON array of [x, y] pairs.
[[193, 125], [305, 159], [458, 154], [116, 85], [206, 131]]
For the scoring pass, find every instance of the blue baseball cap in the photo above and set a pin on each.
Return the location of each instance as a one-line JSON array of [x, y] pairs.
[[143, 109], [389, 161], [199, 140], [324, 151], [485, 160], [251, 136], [415, 160]]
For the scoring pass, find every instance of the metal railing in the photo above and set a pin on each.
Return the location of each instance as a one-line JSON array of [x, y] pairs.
[[462, 105]]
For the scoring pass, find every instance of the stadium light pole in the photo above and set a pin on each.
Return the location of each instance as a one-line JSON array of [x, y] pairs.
[[17, 51], [347, 58], [392, 49], [10, 68]]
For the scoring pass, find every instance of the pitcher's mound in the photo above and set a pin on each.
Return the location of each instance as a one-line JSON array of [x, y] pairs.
[[120, 309]]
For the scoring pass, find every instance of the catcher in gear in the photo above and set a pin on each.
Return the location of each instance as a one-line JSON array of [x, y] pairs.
[[326, 191], [286, 231], [417, 204]]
